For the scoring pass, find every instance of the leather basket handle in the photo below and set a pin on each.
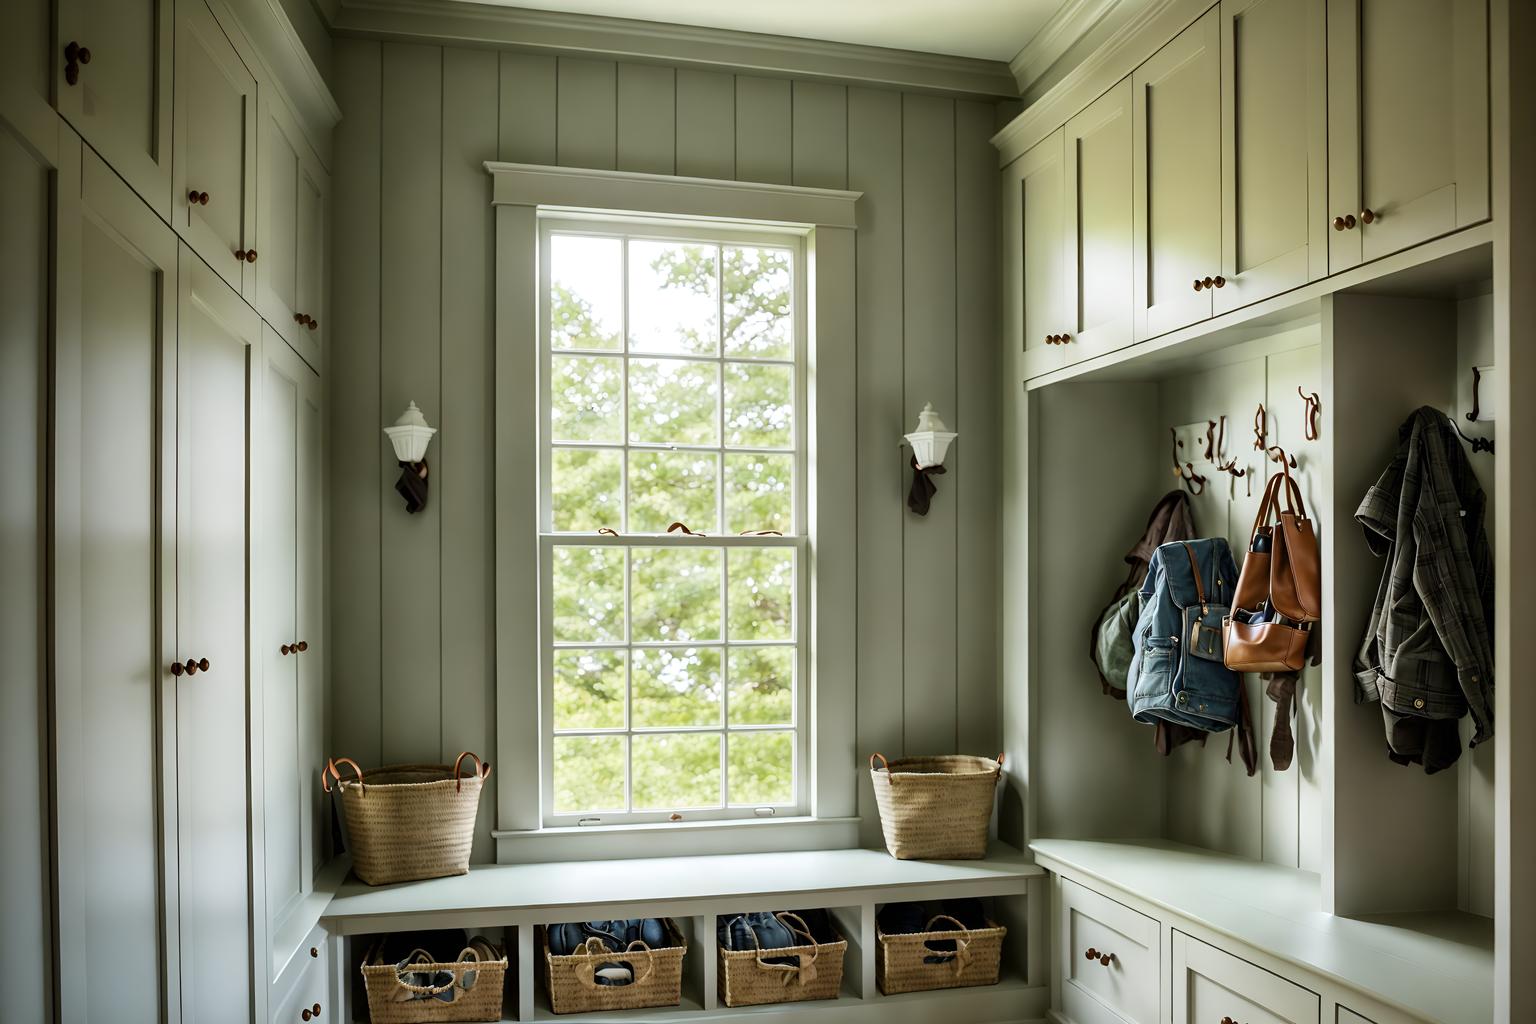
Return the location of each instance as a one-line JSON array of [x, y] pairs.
[[482, 769], [332, 770]]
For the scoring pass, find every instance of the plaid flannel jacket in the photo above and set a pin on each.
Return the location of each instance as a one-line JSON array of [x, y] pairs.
[[1428, 653]]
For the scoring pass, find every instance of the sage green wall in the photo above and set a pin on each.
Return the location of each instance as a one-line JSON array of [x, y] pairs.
[[412, 596]]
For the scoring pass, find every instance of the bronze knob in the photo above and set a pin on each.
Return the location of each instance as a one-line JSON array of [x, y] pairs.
[[176, 668], [250, 256], [240, 255], [1209, 282], [1064, 339], [304, 1014], [284, 649], [1344, 223], [1367, 216], [190, 667], [200, 665], [1228, 1020], [298, 318], [198, 198], [1105, 958], [301, 646], [314, 953], [1199, 284], [312, 322], [317, 1009], [74, 56], [1220, 282], [1092, 953]]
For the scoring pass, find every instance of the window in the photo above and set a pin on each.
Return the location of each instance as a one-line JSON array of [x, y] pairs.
[[673, 666]]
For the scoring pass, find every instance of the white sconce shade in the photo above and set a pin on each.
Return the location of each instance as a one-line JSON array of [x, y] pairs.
[[930, 441], [410, 435]]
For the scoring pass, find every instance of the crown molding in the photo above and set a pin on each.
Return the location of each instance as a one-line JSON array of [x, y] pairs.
[[476, 24], [1122, 52], [1072, 21]]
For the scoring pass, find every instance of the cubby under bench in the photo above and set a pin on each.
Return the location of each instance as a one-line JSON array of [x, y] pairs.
[[514, 899], [1190, 936]]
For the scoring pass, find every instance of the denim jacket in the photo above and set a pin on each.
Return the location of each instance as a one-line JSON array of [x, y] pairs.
[[1178, 673]]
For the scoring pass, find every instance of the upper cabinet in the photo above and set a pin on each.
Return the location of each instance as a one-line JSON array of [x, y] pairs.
[[214, 195], [112, 77], [1274, 219], [1177, 180], [1036, 188], [1098, 226], [1407, 122], [292, 208]]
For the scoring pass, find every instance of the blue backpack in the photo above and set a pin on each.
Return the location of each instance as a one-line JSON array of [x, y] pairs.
[[1177, 674]]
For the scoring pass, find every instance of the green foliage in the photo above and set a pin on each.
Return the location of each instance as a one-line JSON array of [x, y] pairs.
[[674, 593]]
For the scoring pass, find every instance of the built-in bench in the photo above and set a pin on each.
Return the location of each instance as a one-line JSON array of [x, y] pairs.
[[693, 890]]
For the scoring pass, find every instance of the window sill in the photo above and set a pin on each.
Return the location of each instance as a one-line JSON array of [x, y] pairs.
[[679, 839]]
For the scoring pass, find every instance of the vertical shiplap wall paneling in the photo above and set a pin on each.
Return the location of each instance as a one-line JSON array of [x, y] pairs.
[[928, 357], [353, 380], [978, 453], [820, 135], [764, 137], [874, 168], [415, 669], [410, 302], [527, 109], [706, 124], [465, 469], [586, 113], [647, 134]]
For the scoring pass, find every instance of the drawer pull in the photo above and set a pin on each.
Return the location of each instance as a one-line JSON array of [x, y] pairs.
[[1103, 958]]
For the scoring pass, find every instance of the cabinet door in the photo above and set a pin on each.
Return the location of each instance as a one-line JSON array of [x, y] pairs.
[[311, 622], [25, 850], [1407, 123], [120, 101], [290, 274], [215, 140], [26, 69], [1098, 228], [215, 334], [115, 601], [1212, 985], [1177, 189], [1038, 182], [1274, 139], [1109, 957]]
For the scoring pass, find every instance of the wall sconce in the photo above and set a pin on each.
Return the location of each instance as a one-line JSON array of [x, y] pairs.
[[410, 436], [930, 442]]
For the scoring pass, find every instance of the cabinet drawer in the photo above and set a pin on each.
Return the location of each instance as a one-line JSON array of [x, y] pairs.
[[1125, 988], [305, 984], [1211, 985]]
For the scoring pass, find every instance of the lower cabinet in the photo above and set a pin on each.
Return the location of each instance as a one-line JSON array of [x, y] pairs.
[[1210, 985], [1109, 959], [303, 992]]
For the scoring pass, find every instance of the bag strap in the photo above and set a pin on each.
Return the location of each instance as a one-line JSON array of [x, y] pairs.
[[1269, 499], [482, 770], [332, 770], [1205, 606]]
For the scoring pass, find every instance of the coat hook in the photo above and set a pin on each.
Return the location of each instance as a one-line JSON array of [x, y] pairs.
[[1479, 444], [1477, 381], [1186, 473], [1210, 441], [1260, 435], [1309, 413], [1282, 456]]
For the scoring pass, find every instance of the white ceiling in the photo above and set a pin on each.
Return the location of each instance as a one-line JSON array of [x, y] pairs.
[[990, 29]]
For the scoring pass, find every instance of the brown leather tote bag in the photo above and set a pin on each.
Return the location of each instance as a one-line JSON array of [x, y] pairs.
[[1295, 565], [1270, 646]]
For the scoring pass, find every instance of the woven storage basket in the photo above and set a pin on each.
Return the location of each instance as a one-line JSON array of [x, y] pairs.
[[390, 999], [978, 953], [745, 980], [408, 821], [658, 975], [936, 808]]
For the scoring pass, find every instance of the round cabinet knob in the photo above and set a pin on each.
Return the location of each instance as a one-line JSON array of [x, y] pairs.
[[314, 953], [1344, 223], [176, 668], [317, 1009], [190, 667], [1105, 958], [284, 649], [1367, 216], [1199, 284], [298, 318], [197, 198], [313, 323], [304, 1014], [1209, 282], [1092, 953], [195, 666], [250, 256], [240, 255], [301, 646], [1219, 281], [1065, 338], [1228, 1020]]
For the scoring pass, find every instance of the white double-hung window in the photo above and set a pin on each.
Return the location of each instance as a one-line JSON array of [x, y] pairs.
[[673, 553]]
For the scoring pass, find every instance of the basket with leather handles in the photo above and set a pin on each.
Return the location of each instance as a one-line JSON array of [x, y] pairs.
[[656, 975], [1279, 589], [935, 808], [747, 978], [468, 988], [409, 821], [929, 959]]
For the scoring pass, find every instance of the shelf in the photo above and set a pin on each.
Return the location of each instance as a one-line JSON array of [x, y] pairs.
[[1435, 965], [525, 894]]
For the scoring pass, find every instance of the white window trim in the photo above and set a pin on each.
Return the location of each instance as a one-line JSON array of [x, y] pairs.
[[825, 218]]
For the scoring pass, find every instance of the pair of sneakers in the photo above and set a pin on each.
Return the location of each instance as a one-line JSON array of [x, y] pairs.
[[616, 935]]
